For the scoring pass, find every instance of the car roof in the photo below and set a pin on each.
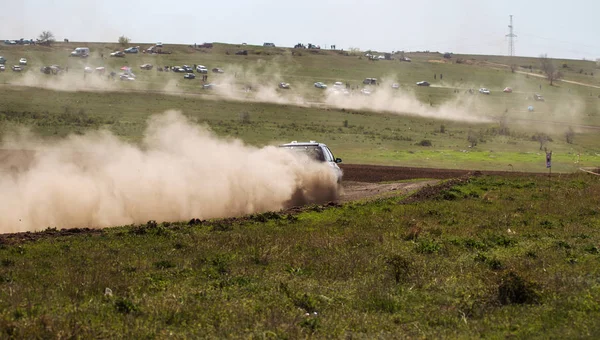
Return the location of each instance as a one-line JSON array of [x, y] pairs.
[[311, 143]]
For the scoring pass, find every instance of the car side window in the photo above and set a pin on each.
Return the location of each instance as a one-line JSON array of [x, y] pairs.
[[328, 155]]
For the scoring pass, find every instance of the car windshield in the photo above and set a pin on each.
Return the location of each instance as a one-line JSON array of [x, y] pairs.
[[313, 151]]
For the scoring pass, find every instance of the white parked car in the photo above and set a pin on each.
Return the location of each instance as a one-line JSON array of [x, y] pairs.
[[201, 69], [320, 85], [483, 90], [22, 61], [395, 86]]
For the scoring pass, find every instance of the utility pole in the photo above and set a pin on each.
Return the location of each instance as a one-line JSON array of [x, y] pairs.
[[511, 38]]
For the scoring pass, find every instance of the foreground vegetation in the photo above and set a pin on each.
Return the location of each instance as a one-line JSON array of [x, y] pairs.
[[484, 257]]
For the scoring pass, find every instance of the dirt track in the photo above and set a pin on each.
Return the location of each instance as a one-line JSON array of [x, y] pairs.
[[360, 182]]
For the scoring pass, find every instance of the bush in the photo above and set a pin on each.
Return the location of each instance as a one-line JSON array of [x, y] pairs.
[[570, 135], [424, 142], [472, 139], [125, 306], [513, 289], [400, 268]]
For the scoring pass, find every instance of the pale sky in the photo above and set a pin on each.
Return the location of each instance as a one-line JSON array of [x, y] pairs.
[[562, 29]]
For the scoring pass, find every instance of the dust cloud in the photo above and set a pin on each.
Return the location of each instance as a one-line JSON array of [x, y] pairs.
[[179, 171], [258, 82]]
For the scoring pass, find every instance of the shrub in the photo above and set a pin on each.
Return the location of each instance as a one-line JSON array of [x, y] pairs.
[[400, 268], [125, 306], [472, 139], [514, 289], [425, 142], [570, 135], [428, 247]]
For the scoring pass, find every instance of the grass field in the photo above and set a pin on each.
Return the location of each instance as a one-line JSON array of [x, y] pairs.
[[436, 267]]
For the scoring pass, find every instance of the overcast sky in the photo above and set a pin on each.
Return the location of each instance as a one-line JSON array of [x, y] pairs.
[[567, 29]]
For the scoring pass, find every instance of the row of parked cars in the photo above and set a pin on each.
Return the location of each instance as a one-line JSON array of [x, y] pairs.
[[15, 68], [121, 54]]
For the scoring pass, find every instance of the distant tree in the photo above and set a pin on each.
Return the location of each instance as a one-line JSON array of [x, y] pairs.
[[570, 135], [504, 130], [549, 69], [542, 139], [472, 138], [46, 37], [123, 40]]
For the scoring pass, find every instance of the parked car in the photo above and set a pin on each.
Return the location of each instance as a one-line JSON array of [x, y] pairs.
[[538, 98], [88, 69], [320, 85], [370, 81], [126, 77], [131, 50], [201, 69], [284, 86], [317, 151], [17, 68], [189, 76], [146, 66], [159, 44], [423, 83], [507, 90], [177, 69], [395, 86], [2, 68], [209, 86], [22, 61], [484, 90], [218, 70], [2, 60], [365, 92], [268, 44], [119, 54], [187, 69], [82, 52]]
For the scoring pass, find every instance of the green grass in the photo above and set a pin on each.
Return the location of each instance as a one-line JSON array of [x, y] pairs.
[[488, 257]]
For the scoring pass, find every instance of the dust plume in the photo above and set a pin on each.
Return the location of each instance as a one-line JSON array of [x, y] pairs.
[[384, 98], [180, 171], [258, 82]]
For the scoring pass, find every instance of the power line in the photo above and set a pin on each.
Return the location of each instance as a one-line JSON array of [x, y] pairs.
[[511, 38]]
